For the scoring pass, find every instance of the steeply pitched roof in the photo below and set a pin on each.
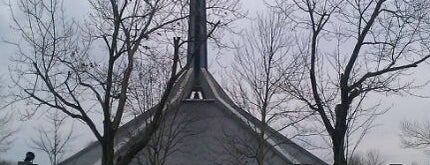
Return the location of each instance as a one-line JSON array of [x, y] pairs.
[[216, 98]]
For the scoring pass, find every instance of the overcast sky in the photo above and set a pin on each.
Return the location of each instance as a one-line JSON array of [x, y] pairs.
[[384, 137]]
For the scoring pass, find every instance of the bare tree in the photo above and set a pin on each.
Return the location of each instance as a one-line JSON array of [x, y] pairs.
[[6, 129], [137, 143], [171, 131], [169, 138], [372, 157], [53, 139], [262, 62], [72, 80], [415, 134], [355, 160], [354, 50], [61, 67]]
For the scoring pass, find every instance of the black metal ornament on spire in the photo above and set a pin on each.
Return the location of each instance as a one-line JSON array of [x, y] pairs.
[[197, 34]]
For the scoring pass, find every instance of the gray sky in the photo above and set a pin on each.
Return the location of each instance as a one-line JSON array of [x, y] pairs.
[[383, 138]]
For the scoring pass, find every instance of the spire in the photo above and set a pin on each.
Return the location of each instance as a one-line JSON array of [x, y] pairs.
[[197, 47]]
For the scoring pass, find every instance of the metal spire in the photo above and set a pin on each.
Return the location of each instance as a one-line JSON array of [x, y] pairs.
[[197, 47]]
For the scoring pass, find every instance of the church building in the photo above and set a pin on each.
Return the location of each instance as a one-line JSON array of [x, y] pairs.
[[201, 125]]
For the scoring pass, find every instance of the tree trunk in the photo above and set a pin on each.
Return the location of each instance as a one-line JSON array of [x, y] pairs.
[[108, 151], [339, 150], [338, 137], [260, 152]]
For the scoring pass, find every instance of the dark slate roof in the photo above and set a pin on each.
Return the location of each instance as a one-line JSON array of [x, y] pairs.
[[282, 144], [214, 96]]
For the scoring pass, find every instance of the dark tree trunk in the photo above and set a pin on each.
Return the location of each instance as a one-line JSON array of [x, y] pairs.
[[108, 152], [338, 137], [339, 150], [108, 144], [260, 151]]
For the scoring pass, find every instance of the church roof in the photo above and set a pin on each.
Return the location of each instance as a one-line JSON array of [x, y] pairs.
[[207, 109]]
